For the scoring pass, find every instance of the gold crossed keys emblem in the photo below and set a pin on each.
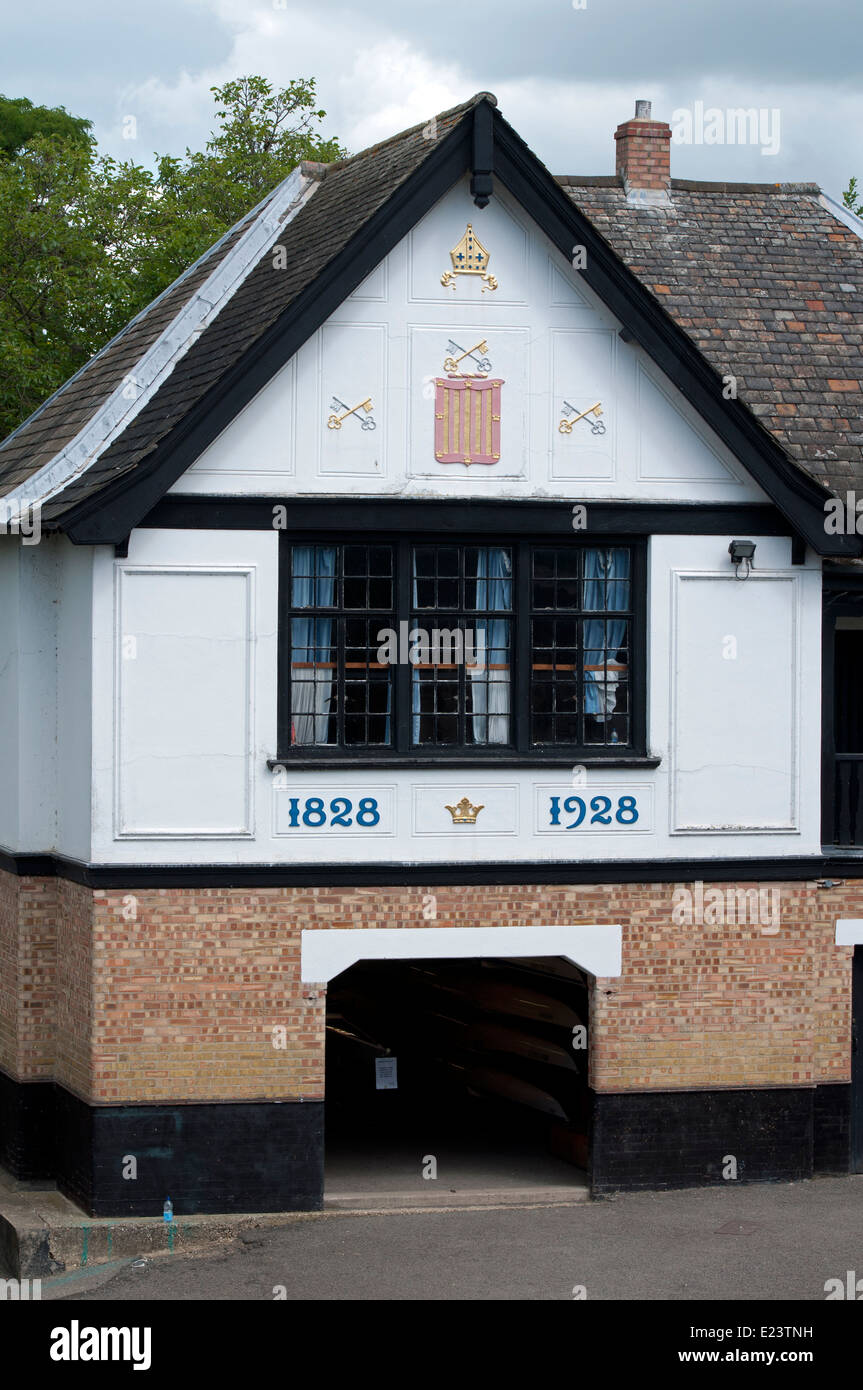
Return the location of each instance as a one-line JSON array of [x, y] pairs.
[[367, 421], [451, 364], [573, 416]]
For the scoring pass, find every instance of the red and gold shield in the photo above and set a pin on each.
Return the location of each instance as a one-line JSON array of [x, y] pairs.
[[467, 419]]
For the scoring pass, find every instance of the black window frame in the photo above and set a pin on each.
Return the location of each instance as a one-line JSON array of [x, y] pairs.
[[341, 613], [519, 751]]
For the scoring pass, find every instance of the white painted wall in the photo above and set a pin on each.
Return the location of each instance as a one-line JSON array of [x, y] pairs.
[[738, 737], [9, 643], [46, 655], [158, 671], [37, 693], [74, 698]]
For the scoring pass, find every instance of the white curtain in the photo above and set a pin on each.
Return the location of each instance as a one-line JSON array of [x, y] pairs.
[[606, 588], [490, 683], [313, 672]]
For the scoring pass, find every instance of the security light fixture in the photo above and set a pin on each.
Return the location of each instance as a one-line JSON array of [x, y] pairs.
[[742, 553]]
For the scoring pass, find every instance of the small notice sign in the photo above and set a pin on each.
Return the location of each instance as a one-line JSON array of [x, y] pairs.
[[385, 1074]]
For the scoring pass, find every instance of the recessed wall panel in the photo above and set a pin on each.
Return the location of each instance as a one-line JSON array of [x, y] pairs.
[[183, 703], [735, 674]]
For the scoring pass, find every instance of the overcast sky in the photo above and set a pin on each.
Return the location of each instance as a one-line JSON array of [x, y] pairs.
[[565, 72]]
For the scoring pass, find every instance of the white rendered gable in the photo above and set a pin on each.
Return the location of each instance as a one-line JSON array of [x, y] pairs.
[[549, 340]]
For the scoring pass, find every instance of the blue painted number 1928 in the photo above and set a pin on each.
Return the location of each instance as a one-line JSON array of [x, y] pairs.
[[601, 806]]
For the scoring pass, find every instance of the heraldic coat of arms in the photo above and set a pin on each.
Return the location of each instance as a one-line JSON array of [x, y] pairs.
[[467, 410]]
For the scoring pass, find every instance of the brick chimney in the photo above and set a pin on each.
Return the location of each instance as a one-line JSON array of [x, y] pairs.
[[644, 158]]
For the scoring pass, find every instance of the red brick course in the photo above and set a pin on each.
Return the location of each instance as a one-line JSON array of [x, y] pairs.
[[643, 153]]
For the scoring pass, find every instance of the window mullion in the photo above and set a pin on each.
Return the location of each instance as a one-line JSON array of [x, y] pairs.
[[520, 648], [285, 694], [339, 673], [465, 622], [460, 622], [580, 673], [638, 647], [401, 690]]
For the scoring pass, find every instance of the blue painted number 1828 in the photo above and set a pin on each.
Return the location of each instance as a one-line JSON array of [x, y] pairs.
[[625, 814], [315, 813]]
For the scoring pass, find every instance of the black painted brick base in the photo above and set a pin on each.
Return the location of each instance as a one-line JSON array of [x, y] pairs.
[[832, 1128], [643, 1140], [243, 1157], [266, 1156], [27, 1128]]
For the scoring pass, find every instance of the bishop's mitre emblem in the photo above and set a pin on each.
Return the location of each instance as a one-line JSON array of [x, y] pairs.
[[469, 257]]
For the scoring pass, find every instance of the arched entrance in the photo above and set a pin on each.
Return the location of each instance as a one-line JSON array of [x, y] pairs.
[[457, 1075]]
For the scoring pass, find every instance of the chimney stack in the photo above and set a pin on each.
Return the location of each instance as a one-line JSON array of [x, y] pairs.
[[644, 158]]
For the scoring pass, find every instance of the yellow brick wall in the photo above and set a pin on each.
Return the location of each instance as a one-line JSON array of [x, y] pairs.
[[173, 994], [10, 975], [728, 1005], [28, 963], [77, 965]]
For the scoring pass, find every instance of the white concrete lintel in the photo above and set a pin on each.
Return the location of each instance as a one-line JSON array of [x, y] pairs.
[[849, 931], [326, 953]]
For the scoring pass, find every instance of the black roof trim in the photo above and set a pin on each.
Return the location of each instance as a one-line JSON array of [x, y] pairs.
[[467, 515], [323, 875], [842, 578]]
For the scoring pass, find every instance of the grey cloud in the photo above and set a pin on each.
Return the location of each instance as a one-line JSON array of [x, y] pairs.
[[795, 54], [78, 55], [617, 40]]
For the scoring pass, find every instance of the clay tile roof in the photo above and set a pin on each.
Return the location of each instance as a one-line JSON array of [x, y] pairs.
[[768, 283]]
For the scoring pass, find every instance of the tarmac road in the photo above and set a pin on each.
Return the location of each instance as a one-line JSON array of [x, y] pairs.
[[759, 1242]]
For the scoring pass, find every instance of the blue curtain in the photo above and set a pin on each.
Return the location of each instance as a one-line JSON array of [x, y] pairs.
[[606, 589], [313, 673]]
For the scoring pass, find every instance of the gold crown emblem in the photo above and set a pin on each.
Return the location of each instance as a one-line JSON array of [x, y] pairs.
[[469, 257], [463, 813]]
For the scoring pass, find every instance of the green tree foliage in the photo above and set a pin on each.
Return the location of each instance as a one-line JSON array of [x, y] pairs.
[[21, 121], [86, 241], [852, 199], [261, 136]]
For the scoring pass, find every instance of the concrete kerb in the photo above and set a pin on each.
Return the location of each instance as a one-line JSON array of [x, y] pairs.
[[43, 1234], [38, 1239]]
